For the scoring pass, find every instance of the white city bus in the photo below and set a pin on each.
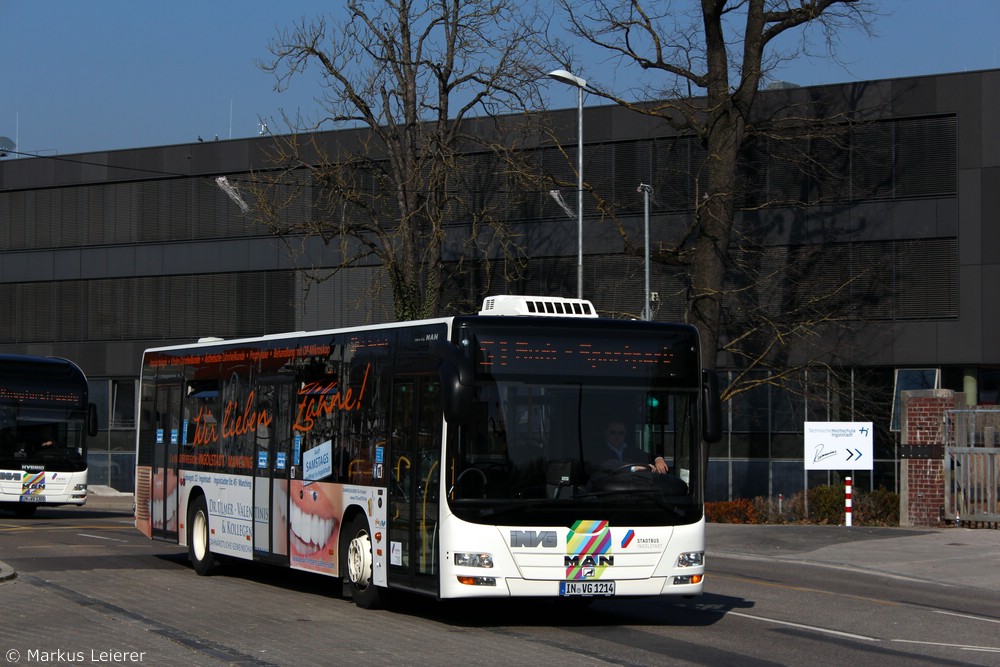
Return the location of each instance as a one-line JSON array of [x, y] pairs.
[[44, 420], [455, 457]]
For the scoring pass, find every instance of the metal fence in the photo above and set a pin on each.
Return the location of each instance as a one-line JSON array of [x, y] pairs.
[[972, 466]]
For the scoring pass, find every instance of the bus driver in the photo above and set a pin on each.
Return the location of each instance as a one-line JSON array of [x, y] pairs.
[[621, 454]]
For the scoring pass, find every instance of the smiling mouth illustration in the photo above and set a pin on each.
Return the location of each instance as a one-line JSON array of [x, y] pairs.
[[312, 522], [163, 501]]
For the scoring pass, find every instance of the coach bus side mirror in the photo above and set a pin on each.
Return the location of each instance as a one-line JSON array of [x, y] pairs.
[[457, 381], [712, 406], [91, 420]]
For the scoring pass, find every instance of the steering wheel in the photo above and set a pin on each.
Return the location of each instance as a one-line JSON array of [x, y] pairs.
[[462, 474], [631, 468]]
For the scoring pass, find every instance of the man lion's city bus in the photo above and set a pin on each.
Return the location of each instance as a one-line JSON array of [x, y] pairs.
[[456, 457], [45, 419]]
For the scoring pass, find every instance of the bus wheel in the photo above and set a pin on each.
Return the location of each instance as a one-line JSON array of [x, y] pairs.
[[198, 550], [358, 554]]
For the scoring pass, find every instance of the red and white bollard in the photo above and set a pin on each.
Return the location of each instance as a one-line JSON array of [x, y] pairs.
[[847, 502]]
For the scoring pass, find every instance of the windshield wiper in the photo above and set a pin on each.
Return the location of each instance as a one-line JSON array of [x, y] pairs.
[[619, 492], [514, 506]]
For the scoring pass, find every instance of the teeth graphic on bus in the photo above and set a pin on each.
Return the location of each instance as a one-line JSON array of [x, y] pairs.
[[310, 530], [168, 521]]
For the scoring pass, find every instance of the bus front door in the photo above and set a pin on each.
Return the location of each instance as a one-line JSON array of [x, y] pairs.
[[414, 480], [272, 463]]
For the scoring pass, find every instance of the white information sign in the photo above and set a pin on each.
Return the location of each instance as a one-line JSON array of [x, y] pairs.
[[838, 446], [317, 463]]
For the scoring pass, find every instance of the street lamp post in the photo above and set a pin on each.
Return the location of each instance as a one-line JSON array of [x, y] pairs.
[[567, 78], [647, 311]]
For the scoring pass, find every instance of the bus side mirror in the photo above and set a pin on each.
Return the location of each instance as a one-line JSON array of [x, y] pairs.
[[91, 420], [712, 407], [457, 381]]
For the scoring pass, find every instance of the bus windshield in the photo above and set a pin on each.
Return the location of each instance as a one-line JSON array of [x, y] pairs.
[[564, 428], [50, 437]]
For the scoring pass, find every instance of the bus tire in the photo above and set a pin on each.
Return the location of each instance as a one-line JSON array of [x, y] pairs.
[[356, 554], [202, 558]]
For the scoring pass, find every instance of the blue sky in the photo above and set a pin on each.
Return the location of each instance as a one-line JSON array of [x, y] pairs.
[[81, 76]]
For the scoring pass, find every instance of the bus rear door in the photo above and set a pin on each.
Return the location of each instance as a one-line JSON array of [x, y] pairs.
[[272, 463], [166, 445]]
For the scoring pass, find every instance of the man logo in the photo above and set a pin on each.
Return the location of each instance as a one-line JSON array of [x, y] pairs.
[[588, 561], [533, 538]]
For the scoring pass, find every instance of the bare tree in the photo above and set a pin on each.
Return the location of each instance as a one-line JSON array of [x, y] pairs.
[[422, 84], [705, 63]]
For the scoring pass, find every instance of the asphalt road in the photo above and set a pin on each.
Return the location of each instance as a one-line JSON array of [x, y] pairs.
[[90, 590]]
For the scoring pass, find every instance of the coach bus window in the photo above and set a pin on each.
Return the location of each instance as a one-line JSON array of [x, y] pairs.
[[235, 434], [316, 421], [201, 410], [367, 404]]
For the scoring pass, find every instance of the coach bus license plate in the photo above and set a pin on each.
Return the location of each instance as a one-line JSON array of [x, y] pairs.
[[32, 499], [586, 588]]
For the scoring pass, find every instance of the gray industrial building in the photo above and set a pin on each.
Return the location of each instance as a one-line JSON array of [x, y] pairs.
[[105, 254]]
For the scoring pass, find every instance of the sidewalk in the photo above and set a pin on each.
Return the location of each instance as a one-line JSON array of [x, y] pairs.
[[956, 556], [104, 497]]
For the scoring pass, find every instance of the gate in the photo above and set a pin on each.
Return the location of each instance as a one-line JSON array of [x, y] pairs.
[[972, 467]]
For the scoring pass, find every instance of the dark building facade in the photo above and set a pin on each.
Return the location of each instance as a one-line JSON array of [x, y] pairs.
[[105, 254]]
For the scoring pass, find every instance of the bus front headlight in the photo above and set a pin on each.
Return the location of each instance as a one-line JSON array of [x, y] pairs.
[[691, 559], [465, 559]]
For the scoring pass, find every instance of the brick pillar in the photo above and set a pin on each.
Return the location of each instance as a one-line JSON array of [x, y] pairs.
[[921, 489]]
